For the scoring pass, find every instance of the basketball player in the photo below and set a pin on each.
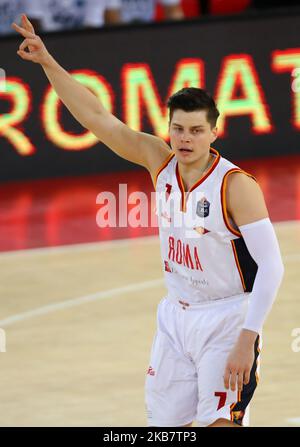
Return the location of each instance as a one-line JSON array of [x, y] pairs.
[[222, 268]]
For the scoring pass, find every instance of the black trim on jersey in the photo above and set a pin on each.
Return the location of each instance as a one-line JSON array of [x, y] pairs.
[[247, 264]]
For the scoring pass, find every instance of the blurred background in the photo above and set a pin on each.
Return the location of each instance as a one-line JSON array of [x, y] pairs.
[[132, 54]]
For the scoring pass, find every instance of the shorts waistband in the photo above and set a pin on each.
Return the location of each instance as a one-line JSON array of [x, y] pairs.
[[186, 304]]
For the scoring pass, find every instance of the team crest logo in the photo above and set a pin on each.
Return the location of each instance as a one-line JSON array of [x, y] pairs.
[[203, 207]]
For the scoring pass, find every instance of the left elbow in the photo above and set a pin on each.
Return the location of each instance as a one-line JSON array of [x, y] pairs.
[[273, 269]]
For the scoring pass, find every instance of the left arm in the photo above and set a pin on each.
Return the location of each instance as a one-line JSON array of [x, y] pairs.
[[246, 206]]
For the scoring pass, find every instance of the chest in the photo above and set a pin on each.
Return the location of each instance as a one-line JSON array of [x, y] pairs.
[[188, 211]]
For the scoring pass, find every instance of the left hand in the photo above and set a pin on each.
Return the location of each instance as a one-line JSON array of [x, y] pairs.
[[240, 362], [37, 51]]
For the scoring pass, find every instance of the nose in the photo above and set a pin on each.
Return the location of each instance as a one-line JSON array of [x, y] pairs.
[[185, 137]]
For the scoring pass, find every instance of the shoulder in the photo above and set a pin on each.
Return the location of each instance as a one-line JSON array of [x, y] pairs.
[[164, 160], [245, 199], [240, 181]]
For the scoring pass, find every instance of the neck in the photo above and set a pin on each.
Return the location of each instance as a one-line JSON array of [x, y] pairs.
[[193, 172]]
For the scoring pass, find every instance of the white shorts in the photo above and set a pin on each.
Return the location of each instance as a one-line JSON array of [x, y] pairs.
[[184, 382]]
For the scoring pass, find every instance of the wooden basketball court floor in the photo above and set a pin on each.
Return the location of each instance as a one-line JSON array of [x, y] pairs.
[[79, 322]]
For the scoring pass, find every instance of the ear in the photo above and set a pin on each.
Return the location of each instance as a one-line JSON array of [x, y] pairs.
[[214, 134]]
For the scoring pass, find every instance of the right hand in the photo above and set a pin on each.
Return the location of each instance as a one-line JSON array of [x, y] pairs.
[[37, 51]]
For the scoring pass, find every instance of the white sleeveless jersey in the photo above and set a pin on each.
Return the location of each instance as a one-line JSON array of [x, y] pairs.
[[204, 255]]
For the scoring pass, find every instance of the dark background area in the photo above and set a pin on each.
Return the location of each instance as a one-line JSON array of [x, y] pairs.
[[161, 46]]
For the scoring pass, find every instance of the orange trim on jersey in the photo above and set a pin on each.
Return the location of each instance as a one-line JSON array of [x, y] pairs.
[[181, 187], [211, 169], [162, 167], [232, 406], [184, 196], [231, 410], [224, 202], [258, 351], [238, 264]]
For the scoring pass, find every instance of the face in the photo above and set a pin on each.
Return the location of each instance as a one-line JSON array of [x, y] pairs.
[[191, 135]]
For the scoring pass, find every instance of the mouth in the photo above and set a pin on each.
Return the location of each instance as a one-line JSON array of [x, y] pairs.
[[185, 150]]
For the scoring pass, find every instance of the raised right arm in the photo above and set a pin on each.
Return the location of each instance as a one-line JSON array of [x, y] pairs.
[[138, 147]]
